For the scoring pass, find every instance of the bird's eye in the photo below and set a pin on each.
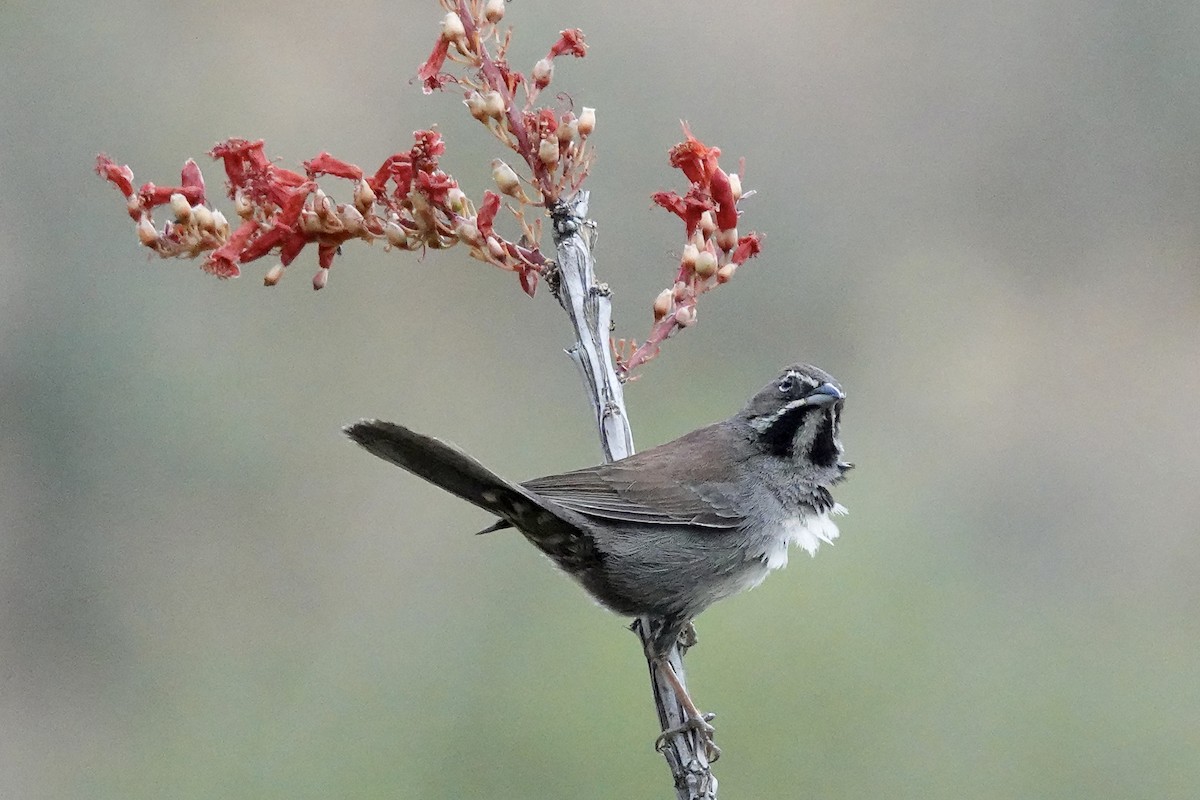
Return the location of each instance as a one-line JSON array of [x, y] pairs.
[[786, 384]]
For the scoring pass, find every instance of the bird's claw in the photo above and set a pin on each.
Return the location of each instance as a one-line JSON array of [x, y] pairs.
[[703, 729], [687, 638]]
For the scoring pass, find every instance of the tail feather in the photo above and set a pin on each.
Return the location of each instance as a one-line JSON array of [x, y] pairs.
[[437, 462], [558, 532]]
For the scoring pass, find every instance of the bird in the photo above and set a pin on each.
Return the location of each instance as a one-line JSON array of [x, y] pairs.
[[666, 532]]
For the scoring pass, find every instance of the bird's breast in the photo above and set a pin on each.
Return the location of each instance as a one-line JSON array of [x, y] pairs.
[[806, 530]]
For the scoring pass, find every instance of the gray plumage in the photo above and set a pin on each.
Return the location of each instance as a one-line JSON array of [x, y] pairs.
[[668, 531]]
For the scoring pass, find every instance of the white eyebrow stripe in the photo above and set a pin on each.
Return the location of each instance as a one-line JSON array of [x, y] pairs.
[[807, 380], [763, 423]]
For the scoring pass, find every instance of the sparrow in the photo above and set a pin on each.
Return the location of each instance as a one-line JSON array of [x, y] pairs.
[[667, 532]]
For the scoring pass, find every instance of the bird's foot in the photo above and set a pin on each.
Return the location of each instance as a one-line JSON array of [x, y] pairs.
[[688, 638], [704, 732]]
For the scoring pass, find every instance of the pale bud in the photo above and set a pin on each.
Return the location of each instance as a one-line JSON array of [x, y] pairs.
[[685, 316], [690, 254], [505, 178], [493, 104], [145, 231], [727, 239], [351, 218], [476, 105], [587, 122], [320, 279], [364, 195], [204, 217], [706, 264], [493, 12], [181, 207], [452, 27], [497, 250], [468, 232], [662, 304], [241, 205], [457, 200], [566, 129], [310, 221], [396, 235], [707, 224], [322, 205], [543, 71], [220, 224], [548, 152], [735, 186], [680, 290], [273, 275], [726, 272]]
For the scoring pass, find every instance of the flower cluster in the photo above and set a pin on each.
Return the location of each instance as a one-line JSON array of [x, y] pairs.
[[408, 201], [412, 204], [553, 143], [713, 250]]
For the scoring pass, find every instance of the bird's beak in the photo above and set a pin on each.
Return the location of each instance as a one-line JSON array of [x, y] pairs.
[[824, 395]]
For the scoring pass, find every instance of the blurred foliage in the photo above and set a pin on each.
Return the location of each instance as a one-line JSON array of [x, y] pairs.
[[980, 217]]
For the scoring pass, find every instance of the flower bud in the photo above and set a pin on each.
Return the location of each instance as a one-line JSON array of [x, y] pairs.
[[680, 290], [320, 279], [706, 264], [735, 186], [566, 128], [456, 199], [493, 12], [726, 272], [241, 204], [452, 27], [351, 218], [707, 224], [323, 205], [477, 106], [181, 207], [220, 224], [662, 304], [273, 275], [145, 231], [497, 250], [493, 104], [310, 221], [727, 239], [690, 254], [468, 232], [543, 71], [548, 152], [685, 316], [203, 216], [396, 235], [364, 195], [587, 122], [506, 180]]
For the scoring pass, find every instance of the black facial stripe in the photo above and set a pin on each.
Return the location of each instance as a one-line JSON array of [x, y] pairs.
[[779, 435], [824, 451]]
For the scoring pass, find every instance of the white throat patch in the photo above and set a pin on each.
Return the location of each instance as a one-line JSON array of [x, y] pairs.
[[807, 532]]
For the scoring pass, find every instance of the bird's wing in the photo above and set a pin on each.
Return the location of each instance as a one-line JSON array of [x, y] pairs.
[[687, 481]]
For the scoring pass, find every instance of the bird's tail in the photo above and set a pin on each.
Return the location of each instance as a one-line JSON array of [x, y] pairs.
[[559, 533], [442, 465]]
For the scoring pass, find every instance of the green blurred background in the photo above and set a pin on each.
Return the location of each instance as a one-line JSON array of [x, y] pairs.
[[981, 217]]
